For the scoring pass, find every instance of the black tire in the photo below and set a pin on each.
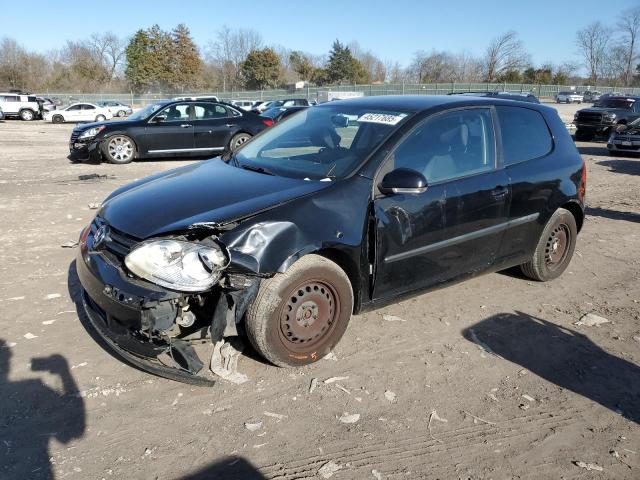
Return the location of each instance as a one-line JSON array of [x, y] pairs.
[[57, 119], [554, 249], [121, 113], [100, 118], [238, 140], [27, 115], [293, 337], [126, 154]]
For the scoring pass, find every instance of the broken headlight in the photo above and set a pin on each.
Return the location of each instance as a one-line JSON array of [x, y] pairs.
[[178, 265], [92, 132]]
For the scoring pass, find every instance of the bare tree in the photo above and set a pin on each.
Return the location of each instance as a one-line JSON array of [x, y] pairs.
[[629, 26], [505, 53], [592, 42], [230, 49], [375, 68], [109, 50]]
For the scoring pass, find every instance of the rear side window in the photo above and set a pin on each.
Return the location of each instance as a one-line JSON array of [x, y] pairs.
[[32, 99], [525, 134]]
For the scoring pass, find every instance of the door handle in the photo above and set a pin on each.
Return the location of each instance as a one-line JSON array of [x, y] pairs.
[[231, 124], [499, 192], [185, 125]]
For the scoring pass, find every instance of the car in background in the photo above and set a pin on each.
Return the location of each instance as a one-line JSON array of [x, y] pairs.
[[47, 104], [569, 97], [20, 105], [79, 112], [277, 114], [212, 98], [290, 235], [166, 129], [591, 96], [604, 115], [625, 138], [246, 105], [1, 114], [116, 108], [261, 106], [285, 102]]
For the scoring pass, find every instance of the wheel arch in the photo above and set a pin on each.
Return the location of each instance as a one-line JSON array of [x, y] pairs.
[[346, 263], [577, 211]]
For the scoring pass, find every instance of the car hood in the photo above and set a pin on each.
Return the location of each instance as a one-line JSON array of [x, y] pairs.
[[211, 191], [114, 123], [603, 110]]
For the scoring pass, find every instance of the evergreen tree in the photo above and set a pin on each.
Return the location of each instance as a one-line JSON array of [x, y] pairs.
[[185, 64], [343, 66], [261, 69]]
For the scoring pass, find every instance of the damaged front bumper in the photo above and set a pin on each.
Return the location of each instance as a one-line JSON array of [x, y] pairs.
[[140, 320]]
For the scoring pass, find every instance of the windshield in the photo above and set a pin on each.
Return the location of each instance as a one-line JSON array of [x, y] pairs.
[[320, 142], [635, 123], [621, 103], [146, 112]]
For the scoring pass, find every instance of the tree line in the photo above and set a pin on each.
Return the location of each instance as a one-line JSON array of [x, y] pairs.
[[157, 60]]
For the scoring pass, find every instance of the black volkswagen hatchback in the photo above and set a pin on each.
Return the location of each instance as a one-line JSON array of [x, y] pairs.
[[344, 207], [186, 128]]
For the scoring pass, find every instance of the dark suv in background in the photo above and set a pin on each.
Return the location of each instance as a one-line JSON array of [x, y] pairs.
[[608, 112]]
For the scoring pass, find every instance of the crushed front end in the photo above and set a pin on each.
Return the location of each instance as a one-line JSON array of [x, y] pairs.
[[161, 330]]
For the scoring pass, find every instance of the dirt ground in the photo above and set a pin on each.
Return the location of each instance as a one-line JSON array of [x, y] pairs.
[[490, 378]]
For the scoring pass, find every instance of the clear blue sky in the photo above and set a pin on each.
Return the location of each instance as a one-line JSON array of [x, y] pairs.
[[393, 29]]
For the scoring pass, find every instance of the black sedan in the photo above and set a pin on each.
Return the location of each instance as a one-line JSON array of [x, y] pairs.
[[342, 208], [167, 129], [278, 114]]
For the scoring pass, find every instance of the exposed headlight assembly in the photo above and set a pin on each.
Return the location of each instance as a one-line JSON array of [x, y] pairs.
[[610, 116], [178, 265], [92, 132]]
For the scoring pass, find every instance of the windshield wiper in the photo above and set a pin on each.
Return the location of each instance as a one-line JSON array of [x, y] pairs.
[[256, 169]]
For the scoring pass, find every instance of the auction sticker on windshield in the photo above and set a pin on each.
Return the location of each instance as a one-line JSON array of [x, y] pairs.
[[384, 118]]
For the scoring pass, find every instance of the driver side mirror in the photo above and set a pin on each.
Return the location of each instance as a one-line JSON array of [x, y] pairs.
[[159, 118], [403, 180]]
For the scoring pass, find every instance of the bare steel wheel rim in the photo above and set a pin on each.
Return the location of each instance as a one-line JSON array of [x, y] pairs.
[[240, 139], [309, 315], [120, 149], [557, 246]]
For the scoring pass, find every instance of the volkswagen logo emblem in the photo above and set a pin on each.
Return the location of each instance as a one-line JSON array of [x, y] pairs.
[[100, 236]]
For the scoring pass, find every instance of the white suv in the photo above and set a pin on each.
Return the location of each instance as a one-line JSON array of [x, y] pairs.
[[569, 97], [18, 105]]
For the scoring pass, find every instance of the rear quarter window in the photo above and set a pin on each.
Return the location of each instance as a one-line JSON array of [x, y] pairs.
[[525, 134]]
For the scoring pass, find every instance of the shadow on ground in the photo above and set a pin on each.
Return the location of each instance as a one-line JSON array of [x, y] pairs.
[[31, 414], [629, 167], [232, 468], [613, 214], [562, 356]]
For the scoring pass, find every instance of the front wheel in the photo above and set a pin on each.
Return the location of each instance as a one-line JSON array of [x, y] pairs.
[[100, 118], [121, 113], [554, 249], [57, 119], [298, 316], [119, 149], [238, 140]]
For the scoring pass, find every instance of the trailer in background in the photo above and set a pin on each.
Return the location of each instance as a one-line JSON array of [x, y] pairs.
[[324, 96]]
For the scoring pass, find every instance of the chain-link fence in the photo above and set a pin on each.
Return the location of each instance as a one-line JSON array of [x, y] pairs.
[[312, 93]]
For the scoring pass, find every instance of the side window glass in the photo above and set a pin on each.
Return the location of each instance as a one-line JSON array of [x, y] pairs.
[[525, 134], [74, 107], [88, 107], [450, 145], [11, 98], [176, 113], [208, 111]]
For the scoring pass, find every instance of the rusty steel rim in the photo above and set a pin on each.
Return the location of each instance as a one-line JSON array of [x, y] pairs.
[[557, 246], [309, 315]]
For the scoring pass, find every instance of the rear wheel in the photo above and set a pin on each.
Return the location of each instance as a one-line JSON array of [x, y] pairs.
[[57, 119], [27, 115], [300, 315], [238, 140], [554, 249], [100, 118], [119, 149]]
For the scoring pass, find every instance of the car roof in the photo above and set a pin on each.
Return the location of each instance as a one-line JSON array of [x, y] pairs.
[[419, 103]]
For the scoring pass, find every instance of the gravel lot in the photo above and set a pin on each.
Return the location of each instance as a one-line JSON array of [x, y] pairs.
[[486, 379]]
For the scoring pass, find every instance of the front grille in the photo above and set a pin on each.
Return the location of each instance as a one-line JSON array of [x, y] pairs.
[[74, 136], [116, 242], [589, 117]]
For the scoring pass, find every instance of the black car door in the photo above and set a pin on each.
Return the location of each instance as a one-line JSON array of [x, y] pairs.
[[213, 126], [455, 227], [170, 132]]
